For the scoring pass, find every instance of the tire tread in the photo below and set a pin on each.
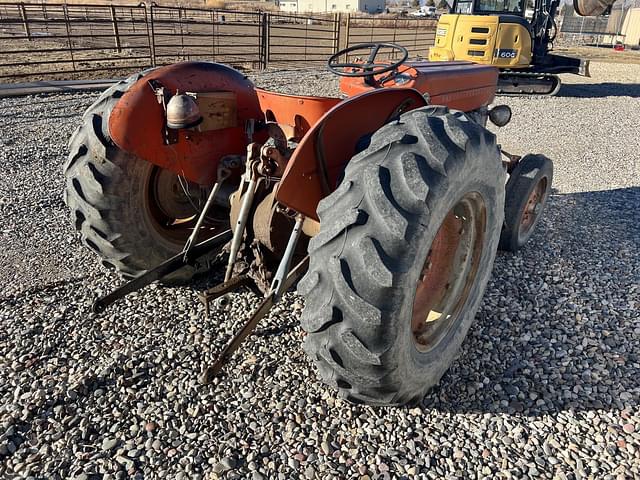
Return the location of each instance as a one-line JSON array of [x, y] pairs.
[[354, 264]]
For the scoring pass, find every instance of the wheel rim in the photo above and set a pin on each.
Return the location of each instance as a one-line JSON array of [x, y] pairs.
[[172, 213], [532, 209], [448, 272]]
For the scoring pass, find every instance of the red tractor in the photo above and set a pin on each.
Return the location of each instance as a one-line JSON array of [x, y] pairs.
[[390, 203]]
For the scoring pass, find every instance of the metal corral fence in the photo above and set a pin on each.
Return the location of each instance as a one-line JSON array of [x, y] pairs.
[[58, 40], [621, 25], [415, 34]]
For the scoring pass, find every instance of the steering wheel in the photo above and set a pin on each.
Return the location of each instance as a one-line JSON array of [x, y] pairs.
[[369, 68]]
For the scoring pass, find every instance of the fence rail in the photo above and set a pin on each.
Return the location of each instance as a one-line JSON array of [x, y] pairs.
[[52, 40], [614, 28]]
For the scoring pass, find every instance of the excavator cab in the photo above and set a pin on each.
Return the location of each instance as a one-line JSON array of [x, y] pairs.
[[491, 32]]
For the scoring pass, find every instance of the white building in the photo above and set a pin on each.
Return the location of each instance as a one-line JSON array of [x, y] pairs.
[[330, 6], [290, 6]]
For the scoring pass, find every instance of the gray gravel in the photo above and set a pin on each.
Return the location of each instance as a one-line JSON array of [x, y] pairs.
[[547, 384]]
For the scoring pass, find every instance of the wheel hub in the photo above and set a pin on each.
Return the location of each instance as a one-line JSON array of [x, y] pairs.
[[170, 195], [533, 207], [170, 210], [449, 271]]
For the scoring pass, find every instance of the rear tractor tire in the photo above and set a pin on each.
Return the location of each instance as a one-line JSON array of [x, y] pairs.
[[527, 192], [133, 214], [403, 256]]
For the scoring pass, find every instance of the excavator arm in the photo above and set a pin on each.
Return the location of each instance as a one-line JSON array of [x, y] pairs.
[[542, 24]]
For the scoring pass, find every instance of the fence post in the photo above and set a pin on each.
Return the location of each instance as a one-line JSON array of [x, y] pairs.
[[265, 39], [25, 22], [213, 36], [181, 35], [116, 36], [66, 24], [395, 29], [337, 22], [346, 32], [151, 35], [334, 30], [45, 17]]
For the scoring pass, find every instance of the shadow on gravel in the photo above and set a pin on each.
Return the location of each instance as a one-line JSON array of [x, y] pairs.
[[599, 90], [559, 326]]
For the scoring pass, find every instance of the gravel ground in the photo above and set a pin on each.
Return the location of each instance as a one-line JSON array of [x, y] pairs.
[[547, 384]]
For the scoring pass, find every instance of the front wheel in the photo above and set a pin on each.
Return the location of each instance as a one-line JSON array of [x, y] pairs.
[[527, 193], [405, 250]]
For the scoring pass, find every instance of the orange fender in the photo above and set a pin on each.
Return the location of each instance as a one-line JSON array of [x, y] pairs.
[[136, 124], [315, 166]]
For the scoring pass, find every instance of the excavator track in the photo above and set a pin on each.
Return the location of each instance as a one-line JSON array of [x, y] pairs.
[[528, 83]]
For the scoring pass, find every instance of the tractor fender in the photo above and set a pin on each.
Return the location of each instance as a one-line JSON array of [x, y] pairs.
[[316, 166], [137, 121]]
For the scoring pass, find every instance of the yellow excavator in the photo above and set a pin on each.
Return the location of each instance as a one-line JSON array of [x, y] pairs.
[[498, 32]]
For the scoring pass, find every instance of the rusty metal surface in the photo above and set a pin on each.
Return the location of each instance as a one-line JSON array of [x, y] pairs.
[[433, 283], [223, 175], [533, 207], [232, 285], [253, 182], [165, 268], [331, 143], [511, 160], [298, 112], [449, 271], [271, 227]]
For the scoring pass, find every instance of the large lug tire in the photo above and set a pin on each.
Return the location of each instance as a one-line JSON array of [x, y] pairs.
[[425, 198], [112, 197], [527, 192]]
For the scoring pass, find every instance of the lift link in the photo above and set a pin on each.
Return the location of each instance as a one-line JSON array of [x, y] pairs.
[[281, 283], [223, 174], [511, 160], [247, 202], [165, 268]]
